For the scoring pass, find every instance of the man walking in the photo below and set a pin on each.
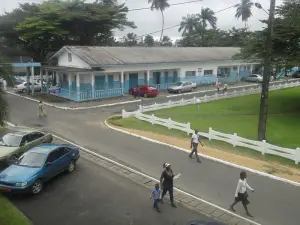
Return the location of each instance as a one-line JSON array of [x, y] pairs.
[[194, 145]]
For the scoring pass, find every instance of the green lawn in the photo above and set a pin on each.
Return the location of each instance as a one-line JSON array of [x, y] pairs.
[[236, 115], [10, 215]]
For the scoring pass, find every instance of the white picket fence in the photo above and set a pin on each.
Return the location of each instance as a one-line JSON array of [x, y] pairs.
[[208, 98], [234, 139]]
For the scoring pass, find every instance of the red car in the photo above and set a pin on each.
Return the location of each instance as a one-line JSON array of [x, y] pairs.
[[145, 90]]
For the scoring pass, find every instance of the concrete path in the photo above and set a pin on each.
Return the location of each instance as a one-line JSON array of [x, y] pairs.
[[273, 203], [93, 195]]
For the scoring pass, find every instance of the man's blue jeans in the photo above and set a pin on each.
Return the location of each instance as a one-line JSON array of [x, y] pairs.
[[155, 204]]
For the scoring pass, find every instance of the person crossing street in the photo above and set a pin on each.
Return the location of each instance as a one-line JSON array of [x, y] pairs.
[[194, 145]]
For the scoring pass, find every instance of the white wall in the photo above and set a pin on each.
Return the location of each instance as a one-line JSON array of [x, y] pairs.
[[76, 62], [180, 67]]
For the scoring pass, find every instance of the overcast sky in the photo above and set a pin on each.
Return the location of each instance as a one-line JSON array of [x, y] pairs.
[[148, 21]]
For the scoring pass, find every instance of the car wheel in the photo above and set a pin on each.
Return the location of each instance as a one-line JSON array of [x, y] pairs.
[[24, 90], [11, 159], [71, 166], [179, 91], [145, 95], [37, 187]]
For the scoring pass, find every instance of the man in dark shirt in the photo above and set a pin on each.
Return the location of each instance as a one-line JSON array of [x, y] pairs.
[[166, 182]]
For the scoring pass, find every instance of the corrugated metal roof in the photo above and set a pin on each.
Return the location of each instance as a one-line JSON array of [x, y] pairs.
[[101, 56]]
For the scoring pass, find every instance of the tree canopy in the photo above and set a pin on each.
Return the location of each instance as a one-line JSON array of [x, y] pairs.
[[46, 27]]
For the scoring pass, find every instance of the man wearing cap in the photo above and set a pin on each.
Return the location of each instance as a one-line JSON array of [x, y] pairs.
[[166, 182]]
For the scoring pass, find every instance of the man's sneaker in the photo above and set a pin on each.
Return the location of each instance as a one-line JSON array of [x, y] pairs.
[[157, 209], [173, 205]]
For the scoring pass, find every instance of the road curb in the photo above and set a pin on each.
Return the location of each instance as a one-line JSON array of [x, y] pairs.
[[188, 200], [75, 108], [202, 155]]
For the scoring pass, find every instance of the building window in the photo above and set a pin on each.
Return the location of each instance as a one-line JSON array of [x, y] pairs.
[[69, 57], [208, 72], [190, 73]]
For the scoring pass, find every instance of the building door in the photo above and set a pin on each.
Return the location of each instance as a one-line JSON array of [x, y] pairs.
[[133, 80], [99, 82], [110, 79], [175, 76], [156, 77]]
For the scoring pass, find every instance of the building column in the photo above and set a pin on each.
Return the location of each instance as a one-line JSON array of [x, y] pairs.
[[41, 77], [239, 78], [70, 84], [77, 82], [106, 82], [32, 80], [148, 77], [47, 81], [57, 78], [93, 84], [122, 82]]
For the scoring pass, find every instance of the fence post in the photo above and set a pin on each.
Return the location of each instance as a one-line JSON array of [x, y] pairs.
[[194, 99], [297, 156], [264, 148], [140, 108], [169, 104], [188, 128], [244, 91], [210, 135], [205, 98], [169, 123], [155, 106], [152, 119], [285, 85], [235, 93], [123, 113], [234, 139], [182, 102]]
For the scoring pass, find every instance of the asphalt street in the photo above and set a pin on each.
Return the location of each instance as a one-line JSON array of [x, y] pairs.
[[273, 203], [93, 195]]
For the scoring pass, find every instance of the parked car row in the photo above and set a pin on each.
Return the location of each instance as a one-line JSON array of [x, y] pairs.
[[31, 160], [22, 87]]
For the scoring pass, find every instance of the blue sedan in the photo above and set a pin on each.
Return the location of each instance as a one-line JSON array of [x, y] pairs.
[[38, 165]]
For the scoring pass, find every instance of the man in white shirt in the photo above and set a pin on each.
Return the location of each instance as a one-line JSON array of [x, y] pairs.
[[194, 145]]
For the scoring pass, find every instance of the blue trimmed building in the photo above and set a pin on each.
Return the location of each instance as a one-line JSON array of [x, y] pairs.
[[85, 73]]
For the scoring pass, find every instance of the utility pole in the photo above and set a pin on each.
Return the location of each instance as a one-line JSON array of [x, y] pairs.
[[264, 104]]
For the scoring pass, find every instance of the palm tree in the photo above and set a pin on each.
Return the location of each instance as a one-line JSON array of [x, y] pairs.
[[244, 10], [188, 24], [208, 16], [130, 39], [166, 41], [160, 5], [5, 71]]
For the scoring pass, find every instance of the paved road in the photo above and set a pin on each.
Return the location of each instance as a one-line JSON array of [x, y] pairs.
[[273, 202], [93, 195]]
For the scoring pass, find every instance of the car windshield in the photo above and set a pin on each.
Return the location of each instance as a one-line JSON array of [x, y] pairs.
[[178, 84], [152, 88], [11, 140], [32, 159]]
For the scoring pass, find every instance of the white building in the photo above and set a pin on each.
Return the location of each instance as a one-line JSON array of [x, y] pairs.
[[86, 73]]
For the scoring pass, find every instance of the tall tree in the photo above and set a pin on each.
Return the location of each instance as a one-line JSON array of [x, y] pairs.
[[160, 5], [44, 28], [131, 39], [166, 41], [5, 73], [149, 41], [188, 24], [244, 10], [207, 16]]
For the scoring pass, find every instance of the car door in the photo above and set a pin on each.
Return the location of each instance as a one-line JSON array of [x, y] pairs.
[[36, 138], [51, 170], [62, 160], [25, 144]]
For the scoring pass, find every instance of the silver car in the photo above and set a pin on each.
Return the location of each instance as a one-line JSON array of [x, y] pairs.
[[180, 87], [254, 78]]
